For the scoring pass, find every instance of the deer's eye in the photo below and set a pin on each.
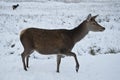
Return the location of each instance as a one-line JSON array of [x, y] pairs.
[[94, 23]]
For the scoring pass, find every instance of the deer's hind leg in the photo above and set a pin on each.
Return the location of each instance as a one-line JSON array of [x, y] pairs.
[[28, 49], [25, 58], [58, 62]]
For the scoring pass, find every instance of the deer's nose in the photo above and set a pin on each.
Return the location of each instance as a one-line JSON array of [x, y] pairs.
[[103, 28]]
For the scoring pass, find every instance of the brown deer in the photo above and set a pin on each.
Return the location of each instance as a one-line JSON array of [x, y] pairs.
[[59, 42]]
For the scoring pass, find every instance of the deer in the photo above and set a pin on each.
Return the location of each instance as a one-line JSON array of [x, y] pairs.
[[56, 41]]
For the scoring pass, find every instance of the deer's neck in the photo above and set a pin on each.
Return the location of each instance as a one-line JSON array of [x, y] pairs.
[[79, 32]]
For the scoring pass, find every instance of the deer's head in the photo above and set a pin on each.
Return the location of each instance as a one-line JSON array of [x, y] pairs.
[[92, 25]]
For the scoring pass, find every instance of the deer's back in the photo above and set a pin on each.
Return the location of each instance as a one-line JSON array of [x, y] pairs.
[[48, 41]]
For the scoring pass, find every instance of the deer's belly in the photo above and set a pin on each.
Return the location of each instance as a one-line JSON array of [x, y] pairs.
[[51, 48]]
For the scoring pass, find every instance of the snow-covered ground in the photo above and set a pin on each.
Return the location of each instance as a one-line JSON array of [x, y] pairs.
[[59, 15], [102, 67]]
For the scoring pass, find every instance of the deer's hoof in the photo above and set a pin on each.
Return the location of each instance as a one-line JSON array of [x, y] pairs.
[[77, 68], [25, 69], [58, 71]]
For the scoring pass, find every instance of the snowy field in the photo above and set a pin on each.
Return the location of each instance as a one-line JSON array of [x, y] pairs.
[[103, 64]]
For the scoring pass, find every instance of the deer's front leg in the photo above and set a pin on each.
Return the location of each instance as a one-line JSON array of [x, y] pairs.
[[76, 60]]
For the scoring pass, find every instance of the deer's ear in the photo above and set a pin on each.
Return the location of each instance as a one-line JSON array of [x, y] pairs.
[[89, 17], [94, 16]]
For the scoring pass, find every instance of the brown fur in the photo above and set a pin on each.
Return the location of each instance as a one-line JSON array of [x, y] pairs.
[[59, 42]]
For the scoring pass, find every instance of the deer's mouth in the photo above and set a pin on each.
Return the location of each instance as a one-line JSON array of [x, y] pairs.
[[102, 29]]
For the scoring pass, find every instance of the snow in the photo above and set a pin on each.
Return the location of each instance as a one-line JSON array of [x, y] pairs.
[[101, 67], [59, 15]]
